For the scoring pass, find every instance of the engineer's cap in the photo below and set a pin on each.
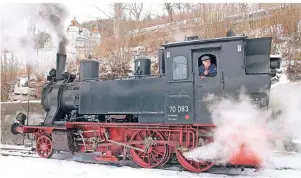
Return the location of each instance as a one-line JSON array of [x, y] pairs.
[[205, 58]]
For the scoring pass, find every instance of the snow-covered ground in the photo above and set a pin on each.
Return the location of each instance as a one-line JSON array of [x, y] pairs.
[[64, 165]]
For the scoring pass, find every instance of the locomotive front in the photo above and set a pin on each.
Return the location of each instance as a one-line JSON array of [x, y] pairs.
[[58, 96]]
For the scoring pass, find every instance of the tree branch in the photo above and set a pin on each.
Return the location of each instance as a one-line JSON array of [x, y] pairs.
[[102, 11]]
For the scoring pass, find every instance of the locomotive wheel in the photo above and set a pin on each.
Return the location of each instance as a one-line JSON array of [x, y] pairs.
[[155, 155], [193, 166], [44, 146]]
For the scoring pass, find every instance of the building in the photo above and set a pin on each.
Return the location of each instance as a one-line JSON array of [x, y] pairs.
[[80, 37], [23, 94], [96, 37]]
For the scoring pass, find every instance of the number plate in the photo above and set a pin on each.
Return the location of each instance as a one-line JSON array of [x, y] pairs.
[[178, 107]]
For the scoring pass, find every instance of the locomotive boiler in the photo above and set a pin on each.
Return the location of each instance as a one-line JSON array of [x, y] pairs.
[[151, 118]]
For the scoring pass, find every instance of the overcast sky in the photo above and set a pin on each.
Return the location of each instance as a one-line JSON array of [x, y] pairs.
[[87, 11]]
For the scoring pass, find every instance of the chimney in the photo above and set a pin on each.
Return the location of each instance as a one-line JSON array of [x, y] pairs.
[[61, 59]]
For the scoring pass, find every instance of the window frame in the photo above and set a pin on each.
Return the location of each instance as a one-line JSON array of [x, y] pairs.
[[174, 71]]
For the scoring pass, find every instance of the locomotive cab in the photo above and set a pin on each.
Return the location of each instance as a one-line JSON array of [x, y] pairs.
[[240, 62]]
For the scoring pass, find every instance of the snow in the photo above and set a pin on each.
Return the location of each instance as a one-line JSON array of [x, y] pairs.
[[65, 165]]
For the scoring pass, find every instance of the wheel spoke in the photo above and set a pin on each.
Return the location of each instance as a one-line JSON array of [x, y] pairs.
[[152, 134], [162, 154], [149, 162], [40, 141], [197, 164], [141, 136], [154, 157]]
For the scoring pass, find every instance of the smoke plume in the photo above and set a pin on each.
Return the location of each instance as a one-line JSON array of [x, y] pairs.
[[239, 121], [18, 37]]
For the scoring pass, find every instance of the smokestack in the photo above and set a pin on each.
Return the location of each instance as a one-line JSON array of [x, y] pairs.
[[61, 59]]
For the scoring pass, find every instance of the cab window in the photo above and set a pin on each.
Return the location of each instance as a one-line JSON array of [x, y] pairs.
[[208, 63], [179, 65]]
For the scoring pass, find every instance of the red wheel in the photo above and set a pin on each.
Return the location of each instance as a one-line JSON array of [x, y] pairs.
[[193, 166], [155, 155], [44, 146]]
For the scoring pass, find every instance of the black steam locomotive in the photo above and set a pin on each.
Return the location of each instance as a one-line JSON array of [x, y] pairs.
[[158, 116]]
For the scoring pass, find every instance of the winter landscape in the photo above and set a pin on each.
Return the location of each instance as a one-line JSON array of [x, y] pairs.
[[117, 33]]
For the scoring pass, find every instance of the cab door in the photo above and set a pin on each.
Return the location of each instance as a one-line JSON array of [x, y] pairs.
[[208, 85], [179, 92]]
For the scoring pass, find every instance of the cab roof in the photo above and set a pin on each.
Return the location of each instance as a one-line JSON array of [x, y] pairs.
[[204, 41]]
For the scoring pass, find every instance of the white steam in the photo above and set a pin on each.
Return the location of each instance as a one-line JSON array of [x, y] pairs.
[[237, 122], [287, 98], [18, 36], [240, 122]]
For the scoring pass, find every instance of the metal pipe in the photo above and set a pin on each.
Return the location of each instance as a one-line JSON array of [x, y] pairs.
[[60, 64]]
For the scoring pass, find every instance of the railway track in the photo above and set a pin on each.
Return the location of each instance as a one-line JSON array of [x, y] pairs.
[[30, 153]]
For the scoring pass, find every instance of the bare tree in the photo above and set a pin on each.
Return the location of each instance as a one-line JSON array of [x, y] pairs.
[[135, 10], [169, 7], [9, 72], [103, 12], [116, 52]]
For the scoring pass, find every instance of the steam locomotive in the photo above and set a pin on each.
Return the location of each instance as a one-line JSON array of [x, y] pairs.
[[151, 118]]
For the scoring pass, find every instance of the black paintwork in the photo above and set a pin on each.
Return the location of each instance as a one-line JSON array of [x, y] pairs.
[[142, 66], [241, 62]]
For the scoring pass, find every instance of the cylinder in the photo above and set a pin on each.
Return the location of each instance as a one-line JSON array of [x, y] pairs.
[[89, 69], [142, 66]]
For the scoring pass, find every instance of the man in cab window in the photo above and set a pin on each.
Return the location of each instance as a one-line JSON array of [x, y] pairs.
[[207, 69]]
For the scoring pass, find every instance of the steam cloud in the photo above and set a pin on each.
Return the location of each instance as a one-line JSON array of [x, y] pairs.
[[15, 22], [239, 121], [53, 14]]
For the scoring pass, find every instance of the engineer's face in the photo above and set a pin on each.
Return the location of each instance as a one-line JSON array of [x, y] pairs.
[[206, 63]]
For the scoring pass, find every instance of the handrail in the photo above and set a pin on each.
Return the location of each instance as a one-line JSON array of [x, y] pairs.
[[124, 77]]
